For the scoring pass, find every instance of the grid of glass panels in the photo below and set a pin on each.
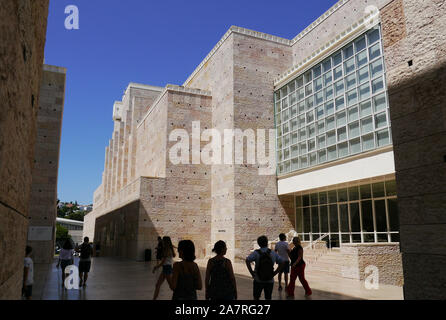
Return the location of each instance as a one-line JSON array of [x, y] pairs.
[[354, 214], [336, 109]]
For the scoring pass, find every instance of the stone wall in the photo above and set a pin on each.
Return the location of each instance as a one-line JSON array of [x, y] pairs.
[[415, 56], [22, 41], [359, 261], [42, 212]]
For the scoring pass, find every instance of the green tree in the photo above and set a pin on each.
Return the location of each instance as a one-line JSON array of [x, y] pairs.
[[61, 233]]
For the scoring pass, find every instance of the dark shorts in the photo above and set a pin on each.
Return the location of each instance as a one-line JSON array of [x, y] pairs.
[[84, 266], [27, 291], [167, 269], [286, 268], [266, 287], [65, 263]]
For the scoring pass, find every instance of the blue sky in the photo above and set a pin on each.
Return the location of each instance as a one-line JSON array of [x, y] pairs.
[[144, 41]]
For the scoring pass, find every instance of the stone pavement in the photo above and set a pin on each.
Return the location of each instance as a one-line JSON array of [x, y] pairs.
[[123, 279]]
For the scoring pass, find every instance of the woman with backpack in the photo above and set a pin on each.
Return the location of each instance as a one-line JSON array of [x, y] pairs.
[[186, 279], [220, 280], [166, 263]]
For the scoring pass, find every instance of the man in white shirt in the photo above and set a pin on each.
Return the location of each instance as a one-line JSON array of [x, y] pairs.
[[282, 248], [28, 274]]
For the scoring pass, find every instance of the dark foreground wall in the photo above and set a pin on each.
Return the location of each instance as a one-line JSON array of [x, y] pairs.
[[415, 50], [22, 41]]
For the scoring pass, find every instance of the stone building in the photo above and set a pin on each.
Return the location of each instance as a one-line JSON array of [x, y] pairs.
[[358, 103], [22, 41]]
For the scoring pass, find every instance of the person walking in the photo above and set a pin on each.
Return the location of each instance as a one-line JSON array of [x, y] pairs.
[[186, 279], [220, 280], [264, 272], [159, 249], [85, 251], [297, 269], [65, 258], [28, 274], [283, 249], [166, 262]]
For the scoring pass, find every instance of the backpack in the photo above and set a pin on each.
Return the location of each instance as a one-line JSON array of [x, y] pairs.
[[85, 251], [265, 267], [220, 286]]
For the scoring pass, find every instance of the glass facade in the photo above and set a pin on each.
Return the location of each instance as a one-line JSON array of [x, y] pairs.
[[336, 109], [354, 214]]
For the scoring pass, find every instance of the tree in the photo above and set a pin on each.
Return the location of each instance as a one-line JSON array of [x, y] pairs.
[[61, 233]]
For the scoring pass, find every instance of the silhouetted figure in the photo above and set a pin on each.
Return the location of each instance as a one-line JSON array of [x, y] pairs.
[[297, 268], [28, 274], [264, 272], [85, 250], [166, 262], [65, 258], [159, 249], [220, 280], [283, 249], [186, 279]]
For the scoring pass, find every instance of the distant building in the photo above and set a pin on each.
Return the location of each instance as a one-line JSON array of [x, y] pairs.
[[75, 228]]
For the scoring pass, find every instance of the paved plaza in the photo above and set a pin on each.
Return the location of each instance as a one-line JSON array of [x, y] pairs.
[[123, 279]]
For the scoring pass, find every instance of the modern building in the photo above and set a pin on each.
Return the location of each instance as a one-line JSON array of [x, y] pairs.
[[359, 129], [75, 228]]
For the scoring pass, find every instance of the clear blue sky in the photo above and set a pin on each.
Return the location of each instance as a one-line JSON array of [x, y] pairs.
[[144, 41]]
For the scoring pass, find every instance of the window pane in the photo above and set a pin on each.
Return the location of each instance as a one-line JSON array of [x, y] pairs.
[[299, 220], [317, 71], [300, 82], [321, 141], [342, 134], [349, 65], [311, 145], [284, 91], [321, 126], [379, 102], [337, 72], [303, 162], [366, 125], [311, 130], [393, 215], [367, 216], [355, 146], [353, 114], [342, 195], [354, 217], [352, 97], [360, 44], [306, 226], [292, 86], [310, 116], [319, 98], [373, 36], [294, 125], [309, 103], [343, 213], [353, 193], [380, 214], [306, 200], [334, 226], [337, 59], [376, 68], [366, 192], [300, 94], [329, 93], [343, 150], [329, 108], [314, 220], [331, 153], [364, 91], [322, 156], [313, 158], [294, 151], [318, 84], [377, 85], [331, 138], [378, 190], [348, 52], [390, 188], [323, 212], [380, 120], [303, 148], [353, 129], [326, 65], [363, 75], [307, 77], [368, 142], [341, 119], [308, 89], [329, 123], [350, 81], [340, 103], [332, 196], [375, 51], [361, 58], [365, 108], [339, 87], [328, 79]]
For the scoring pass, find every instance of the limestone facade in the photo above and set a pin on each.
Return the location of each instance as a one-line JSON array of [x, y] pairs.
[[22, 41], [143, 193]]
